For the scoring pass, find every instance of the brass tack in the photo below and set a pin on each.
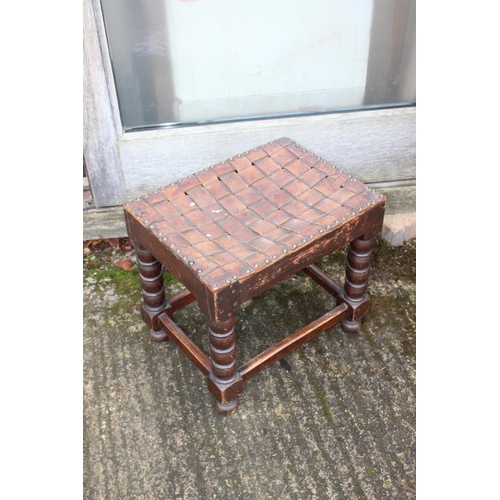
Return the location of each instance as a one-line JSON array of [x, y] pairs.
[[294, 246], [321, 230], [228, 281], [199, 271], [235, 277], [160, 233], [267, 261], [311, 236], [304, 240], [185, 257], [164, 238], [328, 226], [178, 250], [191, 262], [256, 265], [275, 256], [285, 250], [213, 285], [247, 272]]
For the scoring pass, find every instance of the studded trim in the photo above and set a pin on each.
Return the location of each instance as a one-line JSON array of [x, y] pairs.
[[238, 216]]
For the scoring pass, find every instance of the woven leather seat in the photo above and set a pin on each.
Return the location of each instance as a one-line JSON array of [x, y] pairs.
[[234, 229]]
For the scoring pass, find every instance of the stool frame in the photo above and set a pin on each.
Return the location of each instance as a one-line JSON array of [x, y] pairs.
[[225, 379]]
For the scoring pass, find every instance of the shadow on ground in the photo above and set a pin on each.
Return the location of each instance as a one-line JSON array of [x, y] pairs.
[[333, 420]]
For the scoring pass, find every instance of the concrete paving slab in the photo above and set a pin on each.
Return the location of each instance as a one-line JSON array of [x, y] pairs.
[[334, 420], [399, 228]]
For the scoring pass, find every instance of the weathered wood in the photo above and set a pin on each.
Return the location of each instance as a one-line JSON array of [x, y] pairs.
[[185, 274], [324, 280], [316, 250], [153, 292], [100, 148], [224, 381], [110, 222], [294, 341], [373, 145], [400, 199], [180, 300], [232, 231], [101, 223], [356, 283], [106, 67], [376, 145], [188, 347]]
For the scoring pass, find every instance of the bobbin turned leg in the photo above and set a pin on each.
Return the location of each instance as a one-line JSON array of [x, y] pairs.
[[224, 382], [153, 292], [356, 282]]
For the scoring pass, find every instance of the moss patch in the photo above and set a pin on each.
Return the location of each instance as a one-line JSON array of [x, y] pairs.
[[98, 271], [398, 263]]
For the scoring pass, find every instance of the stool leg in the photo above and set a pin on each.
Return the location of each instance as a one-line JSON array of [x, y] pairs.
[[224, 382], [356, 282], [153, 292]]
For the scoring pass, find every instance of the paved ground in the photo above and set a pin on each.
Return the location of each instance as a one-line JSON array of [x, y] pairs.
[[334, 420]]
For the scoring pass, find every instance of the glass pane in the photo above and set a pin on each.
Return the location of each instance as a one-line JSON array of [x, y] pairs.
[[190, 61]]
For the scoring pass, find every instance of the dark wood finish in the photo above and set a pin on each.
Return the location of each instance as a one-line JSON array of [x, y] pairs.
[[224, 381], [233, 230], [188, 347], [356, 282], [294, 341], [324, 280], [153, 292], [180, 300]]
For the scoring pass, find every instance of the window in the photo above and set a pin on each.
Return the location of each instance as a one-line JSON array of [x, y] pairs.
[[182, 62]]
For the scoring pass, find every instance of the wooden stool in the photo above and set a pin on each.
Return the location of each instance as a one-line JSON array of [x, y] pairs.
[[234, 230]]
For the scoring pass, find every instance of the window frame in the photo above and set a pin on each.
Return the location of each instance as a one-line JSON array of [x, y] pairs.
[[376, 145]]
